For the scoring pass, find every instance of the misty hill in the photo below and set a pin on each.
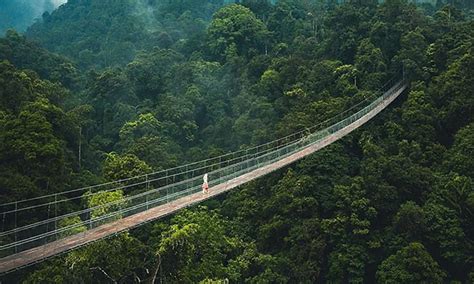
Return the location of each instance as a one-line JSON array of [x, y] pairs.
[[20, 14], [25, 54], [110, 32]]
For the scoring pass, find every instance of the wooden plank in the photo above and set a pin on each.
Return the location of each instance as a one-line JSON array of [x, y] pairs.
[[40, 253]]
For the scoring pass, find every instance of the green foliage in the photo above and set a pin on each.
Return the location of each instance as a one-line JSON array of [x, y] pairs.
[[98, 34], [146, 125], [34, 133], [459, 157], [197, 247], [118, 167], [448, 223], [75, 224], [419, 117], [236, 31], [369, 62], [25, 54], [104, 202], [106, 32], [117, 259], [413, 54], [350, 225], [410, 221], [164, 82], [349, 26], [411, 264]]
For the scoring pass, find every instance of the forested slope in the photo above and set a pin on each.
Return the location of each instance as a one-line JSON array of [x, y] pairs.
[[145, 85]]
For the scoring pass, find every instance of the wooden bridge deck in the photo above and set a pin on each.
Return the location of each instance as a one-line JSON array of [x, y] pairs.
[[40, 253]]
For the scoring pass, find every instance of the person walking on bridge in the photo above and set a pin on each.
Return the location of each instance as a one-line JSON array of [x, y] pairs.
[[205, 184]]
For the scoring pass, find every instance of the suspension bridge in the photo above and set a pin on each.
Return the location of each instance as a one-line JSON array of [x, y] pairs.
[[63, 222]]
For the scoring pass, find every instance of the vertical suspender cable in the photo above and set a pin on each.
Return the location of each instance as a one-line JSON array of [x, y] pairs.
[[16, 208], [55, 216]]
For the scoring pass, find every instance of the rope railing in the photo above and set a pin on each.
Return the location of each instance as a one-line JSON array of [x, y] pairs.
[[154, 191]]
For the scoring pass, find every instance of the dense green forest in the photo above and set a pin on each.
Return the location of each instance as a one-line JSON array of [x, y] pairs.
[[103, 90]]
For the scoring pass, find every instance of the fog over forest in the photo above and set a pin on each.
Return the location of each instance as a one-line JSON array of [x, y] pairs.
[[19, 14]]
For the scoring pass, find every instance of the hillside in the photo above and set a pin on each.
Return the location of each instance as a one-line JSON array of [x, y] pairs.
[[20, 14], [104, 90], [97, 34]]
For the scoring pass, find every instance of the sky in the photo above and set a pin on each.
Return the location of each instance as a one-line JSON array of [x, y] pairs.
[[20, 14]]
